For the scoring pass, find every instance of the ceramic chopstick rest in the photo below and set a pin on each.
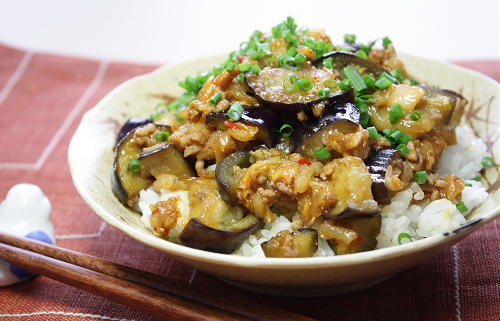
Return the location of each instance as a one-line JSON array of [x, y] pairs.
[[25, 212]]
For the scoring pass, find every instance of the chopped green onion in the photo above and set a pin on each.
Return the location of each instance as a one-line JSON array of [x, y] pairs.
[[386, 41], [179, 118], [345, 84], [286, 130], [461, 207], [403, 236], [361, 54], [230, 66], [215, 98], [396, 73], [364, 119], [356, 79], [288, 62], [416, 115], [488, 162], [414, 82], [243, 67], [322, 153], [289, 82], [468, 184], [350, 38], [255, 69], [162, 136], [403, 149], [328, 63], [477, 178], [384, 81], [305, 84], [300, 58], [292, 51], [235, 111], [400, 137], [367, 48], [396, 113], [374, 133], [323, 93], [369, 81], [134, 166], [240, 78], [330, 83], [421, 177]]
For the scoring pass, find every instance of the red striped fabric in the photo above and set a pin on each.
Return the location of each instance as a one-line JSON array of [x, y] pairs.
[[42, 98]]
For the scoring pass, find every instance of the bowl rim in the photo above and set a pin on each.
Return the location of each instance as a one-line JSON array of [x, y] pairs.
[[179, 250]]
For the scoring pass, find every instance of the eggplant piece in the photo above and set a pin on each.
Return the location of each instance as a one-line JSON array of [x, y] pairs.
[[267, 87], [203, 237], [130, 124], [285, 145], [165, 158], [352, 186], [378, 163], [342, 59], [457, 102], [366, 228], [267, 120], [340, 125], [226, 179], [301, 243], [127, 184]]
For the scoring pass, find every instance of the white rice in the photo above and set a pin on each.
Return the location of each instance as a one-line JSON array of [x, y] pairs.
[[419, 221]]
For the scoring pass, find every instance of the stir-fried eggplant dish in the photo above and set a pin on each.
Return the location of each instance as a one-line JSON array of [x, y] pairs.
[[290, 125]]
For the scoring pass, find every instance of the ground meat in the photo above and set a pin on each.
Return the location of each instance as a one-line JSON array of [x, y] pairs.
[[191, 137], [388, 59], [450, 187], [164, 215], [424, 153]]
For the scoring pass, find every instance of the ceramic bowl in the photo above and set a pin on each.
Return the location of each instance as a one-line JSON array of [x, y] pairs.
[[91, 155]]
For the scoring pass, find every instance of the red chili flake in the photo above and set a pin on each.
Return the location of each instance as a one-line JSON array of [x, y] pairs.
[[360, 239], [304, 160], [233, 125]]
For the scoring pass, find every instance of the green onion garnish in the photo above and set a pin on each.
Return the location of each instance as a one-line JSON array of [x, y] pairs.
[[345, 84], [403, 149], [384, 81], [215, 98], [403, 236], [230, 66], [286, 130], [386, 42], [477, 178], [361, 54], [304, 84], [330, 83], [162, 136], [396, 113], [356, 79], [396, 73], [400, 137], [350, 38], [244, 67], [414, 82], [364, 119], [369, 81], [134, 166], [240, 78], [461, 207], [374, 133], [488, 162], [235, 111], [255, 69], [421, 177], [288, 62], [289, 82], [328, 63], [468, 184], [415, 115], [300, 58], [323, 93], [322, 153]]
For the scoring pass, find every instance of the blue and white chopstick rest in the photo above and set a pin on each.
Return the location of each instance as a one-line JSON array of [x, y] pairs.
[[25, 212]]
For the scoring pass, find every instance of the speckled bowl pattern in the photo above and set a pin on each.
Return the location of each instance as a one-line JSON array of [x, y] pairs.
[[91, 155]]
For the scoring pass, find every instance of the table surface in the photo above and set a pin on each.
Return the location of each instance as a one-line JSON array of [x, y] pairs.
[[42, 99]]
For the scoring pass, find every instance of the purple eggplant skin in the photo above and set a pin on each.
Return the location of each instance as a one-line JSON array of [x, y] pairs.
[[342, 59], [378, 163], [200, 236], [455, 115], [224, 173], [367, 229], [125, 184], [130, 124], [266, 119]]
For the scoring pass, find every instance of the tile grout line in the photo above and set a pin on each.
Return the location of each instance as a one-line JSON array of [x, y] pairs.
[[77, 108], [14, 78], [456, 281]]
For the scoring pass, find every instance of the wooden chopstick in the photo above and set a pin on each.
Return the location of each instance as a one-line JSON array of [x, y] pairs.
[[132, 287]]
